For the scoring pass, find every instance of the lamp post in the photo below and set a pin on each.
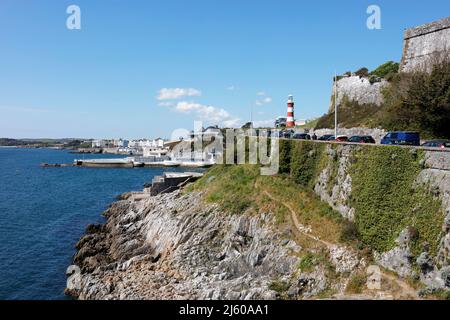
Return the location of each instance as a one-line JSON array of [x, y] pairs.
[[335, 106]]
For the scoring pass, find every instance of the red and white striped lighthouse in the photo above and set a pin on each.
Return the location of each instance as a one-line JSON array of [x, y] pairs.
[[290, 112]]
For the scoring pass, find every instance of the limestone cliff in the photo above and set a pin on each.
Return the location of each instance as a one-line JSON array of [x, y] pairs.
[[358, 89]]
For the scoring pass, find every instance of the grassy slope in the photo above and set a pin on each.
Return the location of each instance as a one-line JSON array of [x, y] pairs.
[[384, 195], [240, 188]]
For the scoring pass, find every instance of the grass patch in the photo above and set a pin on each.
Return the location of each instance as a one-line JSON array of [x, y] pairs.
[[356, 284], [352, 114], [279, 286], [309, 209], [307, 262], [240, 188], [233, 189]]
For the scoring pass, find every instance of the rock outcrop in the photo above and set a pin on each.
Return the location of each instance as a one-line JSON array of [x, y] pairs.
[[359, 89], [173, 246]]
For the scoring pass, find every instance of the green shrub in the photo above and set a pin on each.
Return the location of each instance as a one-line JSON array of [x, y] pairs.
[[279, 286], [383, 70], [307, 262], [386, 202], [419, 101], [349, 231], [285, 156], [363, 72], [304, 162], [356, 284]]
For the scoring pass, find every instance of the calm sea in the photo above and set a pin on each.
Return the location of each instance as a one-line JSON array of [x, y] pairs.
[[44, 211]]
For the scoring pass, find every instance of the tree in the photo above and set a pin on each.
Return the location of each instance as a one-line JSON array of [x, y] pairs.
[[420, 101], [363, 72]]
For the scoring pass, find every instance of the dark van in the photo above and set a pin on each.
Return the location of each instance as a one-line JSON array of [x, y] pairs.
[[405, 138]]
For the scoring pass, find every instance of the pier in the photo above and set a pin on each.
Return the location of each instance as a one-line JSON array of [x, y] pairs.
[[129, 162]]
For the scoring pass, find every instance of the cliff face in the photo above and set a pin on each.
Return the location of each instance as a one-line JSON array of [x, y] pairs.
[[421, 247], [424, 44], [358, 89], [173, 246]]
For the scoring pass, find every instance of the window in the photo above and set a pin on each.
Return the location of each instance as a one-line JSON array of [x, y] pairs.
[[393, 135]]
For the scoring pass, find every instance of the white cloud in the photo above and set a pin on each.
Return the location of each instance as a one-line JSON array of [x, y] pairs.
[[261, 93], [231, 88], [263, 101], [176, 93], [211, 114]]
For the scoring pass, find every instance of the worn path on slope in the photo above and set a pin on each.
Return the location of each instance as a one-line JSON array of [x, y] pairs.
[[406, 289]]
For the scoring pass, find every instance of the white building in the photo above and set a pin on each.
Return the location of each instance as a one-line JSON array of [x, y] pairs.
[[102, 143], [146, 143], [120, 143]]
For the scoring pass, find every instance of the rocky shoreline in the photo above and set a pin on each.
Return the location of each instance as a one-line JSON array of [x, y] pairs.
[[177, 246], [174, 246]]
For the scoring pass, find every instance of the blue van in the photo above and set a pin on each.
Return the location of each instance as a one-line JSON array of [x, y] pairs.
[[405, 138]]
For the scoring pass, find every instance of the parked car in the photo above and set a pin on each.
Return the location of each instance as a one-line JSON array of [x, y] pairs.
[[287, 134], [408, 138], [325, 137], [361, 139], [301, 136], [437, 144], [338, 139], [341, 139]]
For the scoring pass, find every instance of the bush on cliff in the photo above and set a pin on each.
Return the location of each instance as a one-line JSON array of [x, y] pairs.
[[363, 72], [388, 68], [386, 200], [420, 101], [304, 161]]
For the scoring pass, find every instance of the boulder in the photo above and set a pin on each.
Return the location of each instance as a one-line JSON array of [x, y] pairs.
[[425, 262]]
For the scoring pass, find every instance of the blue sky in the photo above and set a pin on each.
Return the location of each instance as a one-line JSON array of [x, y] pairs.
[[225, 57]]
